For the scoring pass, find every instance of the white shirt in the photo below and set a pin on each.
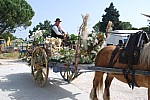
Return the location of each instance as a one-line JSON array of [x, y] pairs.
[[55, 28]]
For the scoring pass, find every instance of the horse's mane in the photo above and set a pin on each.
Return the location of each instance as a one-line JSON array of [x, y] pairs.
[[145, 55]]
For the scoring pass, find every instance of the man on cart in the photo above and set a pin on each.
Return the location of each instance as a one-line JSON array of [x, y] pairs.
[[57, 30]]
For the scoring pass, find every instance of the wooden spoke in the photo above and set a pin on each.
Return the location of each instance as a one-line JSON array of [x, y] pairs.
[[44, 73], [39, 66], [68, 74]]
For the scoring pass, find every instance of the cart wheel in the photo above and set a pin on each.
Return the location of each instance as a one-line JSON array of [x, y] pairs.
[[68, 74], [39, 66]]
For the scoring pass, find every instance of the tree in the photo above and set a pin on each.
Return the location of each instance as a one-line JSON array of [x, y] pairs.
[[146, 29], [96, 27], [112, 14], [6, 35], [125, 26], [43, 26], [13, 14]]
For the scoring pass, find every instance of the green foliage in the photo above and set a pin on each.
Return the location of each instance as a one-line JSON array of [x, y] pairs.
[[13, 14], [125, 25], [134, 28], [96, 27], [67, 55], [43, 26], [146, 29], [13, 55], [71, 38], [90, 46], [112, 14]]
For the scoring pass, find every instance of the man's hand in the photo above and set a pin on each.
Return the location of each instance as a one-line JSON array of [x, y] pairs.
[[64, 35]]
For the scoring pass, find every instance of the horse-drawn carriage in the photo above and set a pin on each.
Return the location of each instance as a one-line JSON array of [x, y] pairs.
[[128, 61], [61, 56]]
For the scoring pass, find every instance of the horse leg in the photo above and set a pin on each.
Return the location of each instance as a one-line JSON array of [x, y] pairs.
[[106, 95], [97, 81], [149, 93], [149, 89]]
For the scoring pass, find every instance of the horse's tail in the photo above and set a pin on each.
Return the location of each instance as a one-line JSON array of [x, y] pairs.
[[100, 74], [99, 89]]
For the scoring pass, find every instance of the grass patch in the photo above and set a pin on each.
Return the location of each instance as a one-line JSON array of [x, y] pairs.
[[13, 55]]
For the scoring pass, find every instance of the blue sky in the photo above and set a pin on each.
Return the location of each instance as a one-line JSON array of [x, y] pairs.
[[69, 11]]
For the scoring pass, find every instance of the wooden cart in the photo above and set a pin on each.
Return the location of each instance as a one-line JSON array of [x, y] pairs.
[[39, 59], [40, 65]]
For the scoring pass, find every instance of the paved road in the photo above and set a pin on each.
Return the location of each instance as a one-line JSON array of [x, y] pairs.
[[16, 84]]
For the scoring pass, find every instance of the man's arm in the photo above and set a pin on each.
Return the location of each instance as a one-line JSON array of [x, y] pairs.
[[56, 30], [61, 30]]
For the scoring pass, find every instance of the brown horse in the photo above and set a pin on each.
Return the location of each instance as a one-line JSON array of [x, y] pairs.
[[103, 58]]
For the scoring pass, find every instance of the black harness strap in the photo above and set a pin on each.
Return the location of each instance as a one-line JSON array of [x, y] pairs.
[[110, 64], [130, 55], [127, 71]]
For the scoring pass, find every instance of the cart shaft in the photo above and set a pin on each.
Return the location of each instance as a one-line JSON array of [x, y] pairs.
[[117, 70]]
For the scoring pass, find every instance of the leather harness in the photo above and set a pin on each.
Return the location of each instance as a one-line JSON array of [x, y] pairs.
[[129, 55]]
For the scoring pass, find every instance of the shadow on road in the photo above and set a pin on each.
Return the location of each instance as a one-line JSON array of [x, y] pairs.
[[20, 86], [20, 61]]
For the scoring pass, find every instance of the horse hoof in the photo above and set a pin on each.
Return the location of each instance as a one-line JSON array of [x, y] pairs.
[[92, 95], [106, 98], [95, 99]]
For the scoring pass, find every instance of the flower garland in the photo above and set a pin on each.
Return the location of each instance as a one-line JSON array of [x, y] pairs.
[[89, 49], [37, 37]]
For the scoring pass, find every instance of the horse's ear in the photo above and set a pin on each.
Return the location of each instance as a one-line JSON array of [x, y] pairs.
[[109, 27]]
